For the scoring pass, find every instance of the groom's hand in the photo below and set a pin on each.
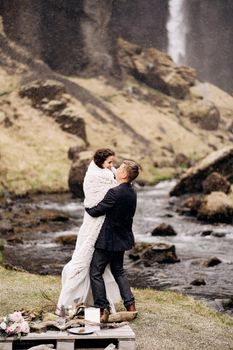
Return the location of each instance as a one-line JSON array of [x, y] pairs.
[[104, 206]]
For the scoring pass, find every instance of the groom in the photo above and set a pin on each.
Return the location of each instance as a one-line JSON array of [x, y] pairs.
[[115, 237]]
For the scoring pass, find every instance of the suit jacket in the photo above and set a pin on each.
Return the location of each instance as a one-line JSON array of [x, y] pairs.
[[119, 205]]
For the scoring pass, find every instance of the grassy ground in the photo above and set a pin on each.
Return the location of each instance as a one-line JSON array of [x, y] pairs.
[[166, 320]]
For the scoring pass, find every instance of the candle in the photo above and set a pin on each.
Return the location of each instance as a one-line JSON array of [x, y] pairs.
[[92, 314]]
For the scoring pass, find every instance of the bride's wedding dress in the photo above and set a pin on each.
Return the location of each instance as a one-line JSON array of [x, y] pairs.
[[75, 275]]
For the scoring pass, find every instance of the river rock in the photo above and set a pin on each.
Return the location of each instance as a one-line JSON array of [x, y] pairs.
[[39, 89], [66, 239], [216, 207], [198, 282], [210, 262], [5, 227], [77, 173], [156, 69], [200, 112], [159, 252], [191, 181], [14, 239], [216, 182], [164, 230], [193, 203]]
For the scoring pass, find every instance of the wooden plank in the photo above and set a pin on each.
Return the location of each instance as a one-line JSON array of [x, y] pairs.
[[66, 341], [5, 345], [65, 344], [127, 345]]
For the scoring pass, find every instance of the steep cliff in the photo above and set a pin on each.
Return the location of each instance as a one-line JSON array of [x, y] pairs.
[[116, 94], [70, 36]]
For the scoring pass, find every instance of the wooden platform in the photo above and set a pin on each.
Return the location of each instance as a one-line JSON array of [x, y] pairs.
[[123, 338]]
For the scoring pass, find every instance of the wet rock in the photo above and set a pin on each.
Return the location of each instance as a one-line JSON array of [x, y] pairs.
[[77, 173], [220, 161], [198, 282], [205, 114], [207, 233], [66, 239], [216, 182], [192, 203], [212, 261], [218, 234], [52, 215], [162, 253], [39, 89], [227, 303], [14, 239], [216, 207], [164, 230], [156, 69], [5, 227]]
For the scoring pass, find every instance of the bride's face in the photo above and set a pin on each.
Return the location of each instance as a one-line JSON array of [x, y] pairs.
[[108, 163]]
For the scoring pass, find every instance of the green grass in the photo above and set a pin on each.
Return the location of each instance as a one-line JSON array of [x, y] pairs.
[[166, 320]]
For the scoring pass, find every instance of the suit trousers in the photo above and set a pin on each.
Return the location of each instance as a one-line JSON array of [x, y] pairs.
[[101, 258]]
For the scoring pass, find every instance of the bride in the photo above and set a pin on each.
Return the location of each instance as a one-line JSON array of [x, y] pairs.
[[76, 288]]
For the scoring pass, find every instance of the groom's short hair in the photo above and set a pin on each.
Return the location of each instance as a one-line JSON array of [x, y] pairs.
[[132, 169]]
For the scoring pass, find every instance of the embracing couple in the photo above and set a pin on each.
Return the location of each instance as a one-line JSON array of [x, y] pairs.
[[95, 274]]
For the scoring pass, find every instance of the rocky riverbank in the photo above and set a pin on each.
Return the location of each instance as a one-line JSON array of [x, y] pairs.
[[48, 249]]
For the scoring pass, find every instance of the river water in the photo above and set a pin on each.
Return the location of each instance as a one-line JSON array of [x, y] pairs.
[[41, 254], [194, 32]]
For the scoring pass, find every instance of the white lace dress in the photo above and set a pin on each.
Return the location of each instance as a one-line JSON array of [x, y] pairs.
[[75, 275]]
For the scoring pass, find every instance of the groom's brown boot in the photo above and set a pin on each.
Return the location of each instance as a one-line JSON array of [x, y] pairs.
[[131, 307]]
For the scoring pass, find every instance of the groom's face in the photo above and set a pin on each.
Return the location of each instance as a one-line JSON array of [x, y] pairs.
[[121, 173]]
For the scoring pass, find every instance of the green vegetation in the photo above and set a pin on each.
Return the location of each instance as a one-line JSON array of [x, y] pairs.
[[166, 320]]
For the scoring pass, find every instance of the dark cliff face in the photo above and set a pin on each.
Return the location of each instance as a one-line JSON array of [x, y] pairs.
[[141, 22], [80, 36], [209, 47], [70, 36]]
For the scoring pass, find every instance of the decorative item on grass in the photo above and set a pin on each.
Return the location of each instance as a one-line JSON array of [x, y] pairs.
[[13, 325]]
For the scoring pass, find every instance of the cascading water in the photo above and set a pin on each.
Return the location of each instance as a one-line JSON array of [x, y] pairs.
[[177, 30]]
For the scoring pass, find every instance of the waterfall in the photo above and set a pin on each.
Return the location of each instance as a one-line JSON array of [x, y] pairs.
[[177, 30]]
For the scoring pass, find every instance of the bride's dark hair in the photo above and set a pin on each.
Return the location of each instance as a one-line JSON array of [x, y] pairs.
[[101, 155]]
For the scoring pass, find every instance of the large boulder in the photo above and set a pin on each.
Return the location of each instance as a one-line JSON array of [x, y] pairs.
[[216, 182], [191, 181], [149, 253], [200, 112], [216, 207], [77, 172], [164, 230], [156, 69]]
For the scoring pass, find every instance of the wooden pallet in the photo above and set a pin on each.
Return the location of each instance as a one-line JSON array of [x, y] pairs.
[[123, 338]]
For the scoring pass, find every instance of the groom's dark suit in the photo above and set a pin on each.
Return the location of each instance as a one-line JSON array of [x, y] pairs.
[[116, 236]]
